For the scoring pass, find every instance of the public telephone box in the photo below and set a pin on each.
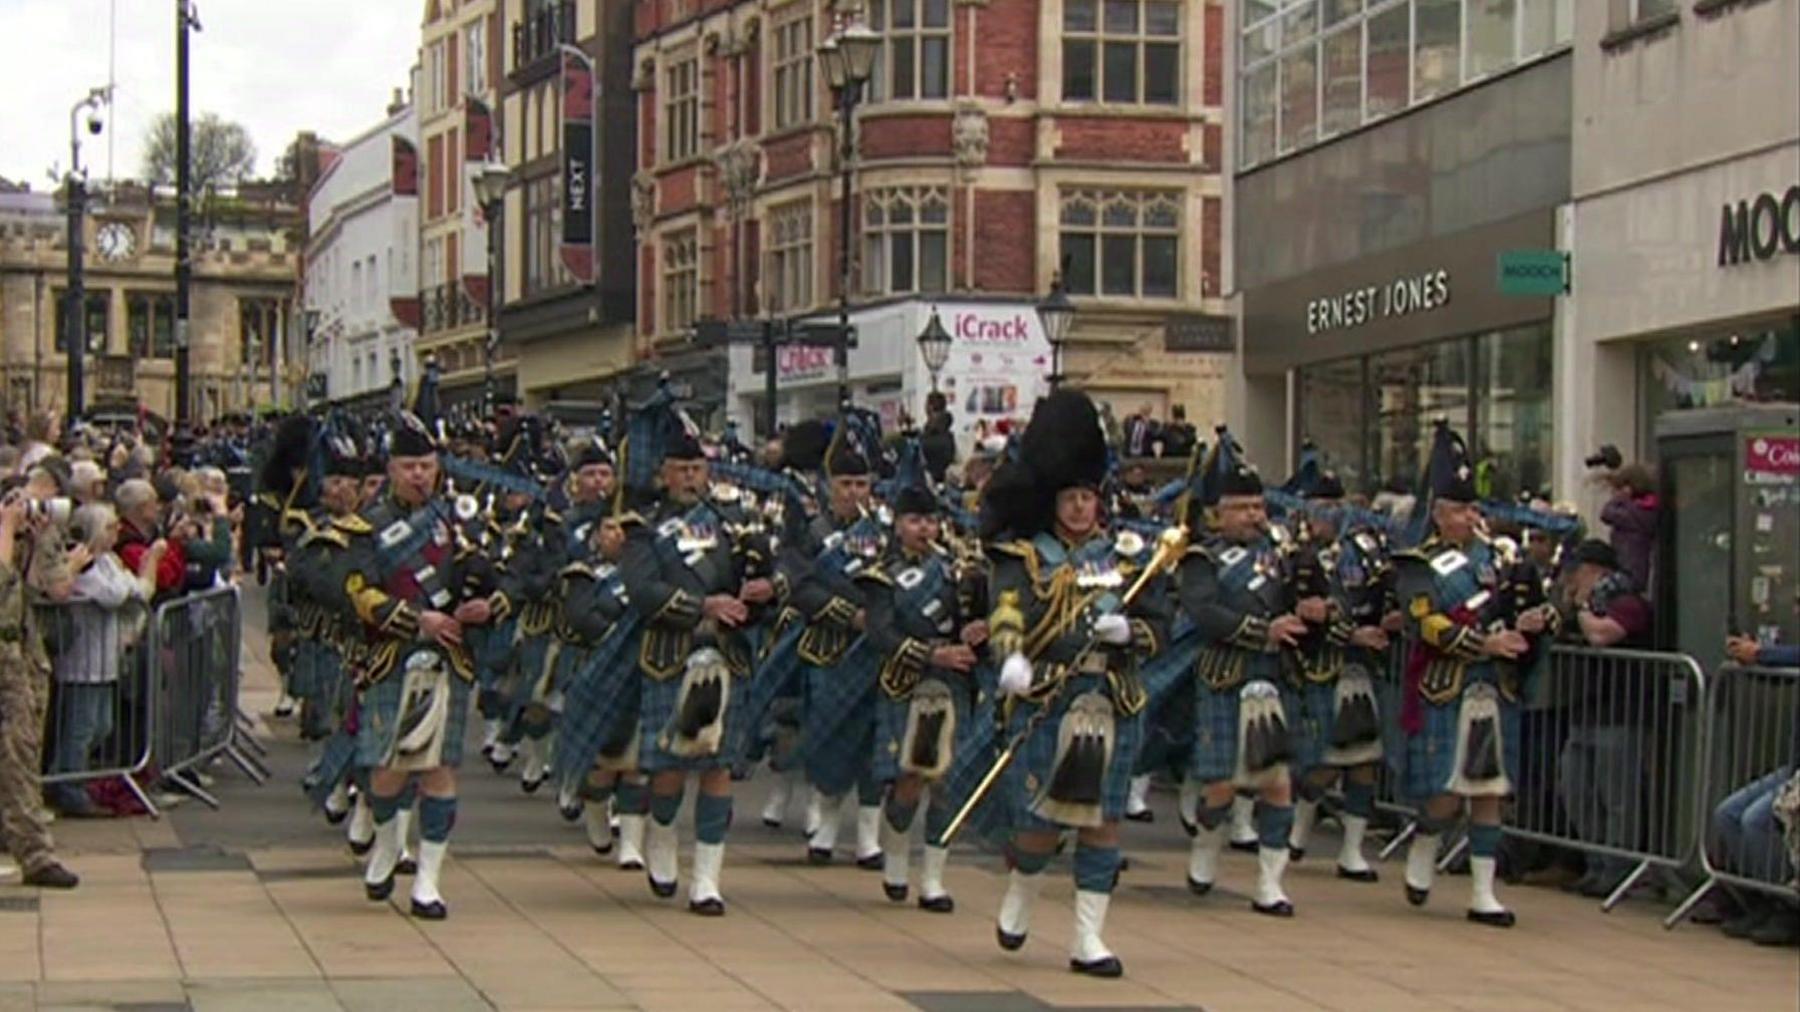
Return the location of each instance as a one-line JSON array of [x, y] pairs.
[[1730, 550]]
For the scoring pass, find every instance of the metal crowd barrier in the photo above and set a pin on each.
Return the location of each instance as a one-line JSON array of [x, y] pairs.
[[1610, 742], [97, 725], [196, 669], [1753, 718]]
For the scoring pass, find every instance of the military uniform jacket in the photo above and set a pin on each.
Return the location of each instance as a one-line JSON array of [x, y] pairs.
[[1046, 595], [1231, 591], [1453, 598], [827, 592], [913, 609], [593, 599], [1360, 589], [400, 563], [531, 557], [673, 560]]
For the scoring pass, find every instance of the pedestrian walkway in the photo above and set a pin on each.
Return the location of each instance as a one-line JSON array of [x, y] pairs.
[[258, 906]]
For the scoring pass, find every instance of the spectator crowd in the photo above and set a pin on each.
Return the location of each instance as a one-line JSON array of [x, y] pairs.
[[97, 527]]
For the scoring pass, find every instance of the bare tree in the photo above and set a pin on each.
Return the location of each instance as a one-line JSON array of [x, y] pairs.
[[218, 151]]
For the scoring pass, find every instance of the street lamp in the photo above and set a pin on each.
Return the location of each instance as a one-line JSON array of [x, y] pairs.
[[491, 182], [848, 58], [1057, 313], [75, 315], [934, 347]]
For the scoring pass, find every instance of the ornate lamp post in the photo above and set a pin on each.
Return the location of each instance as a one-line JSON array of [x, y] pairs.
[[1056, 311], [934, 347], [491, 182], [848, 58]]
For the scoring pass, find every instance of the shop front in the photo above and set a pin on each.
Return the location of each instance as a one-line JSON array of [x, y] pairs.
[[998, 366], [1376, 350]]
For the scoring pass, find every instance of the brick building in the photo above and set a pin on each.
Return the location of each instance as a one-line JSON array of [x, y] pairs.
[[998, 141]]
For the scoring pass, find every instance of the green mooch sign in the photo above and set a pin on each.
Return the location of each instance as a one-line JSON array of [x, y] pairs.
[[1534, 272]]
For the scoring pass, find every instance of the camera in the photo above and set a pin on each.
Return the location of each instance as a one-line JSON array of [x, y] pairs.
[[95, 124], [1607, 456], [56, 510]]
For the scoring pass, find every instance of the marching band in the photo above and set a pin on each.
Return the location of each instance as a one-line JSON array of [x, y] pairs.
[[1012, 660]]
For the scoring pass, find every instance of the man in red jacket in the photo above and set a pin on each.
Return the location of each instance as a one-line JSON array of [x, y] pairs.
[[139, 520]]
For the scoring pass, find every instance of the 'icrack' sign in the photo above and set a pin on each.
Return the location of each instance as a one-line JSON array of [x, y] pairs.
[[1761, 228]]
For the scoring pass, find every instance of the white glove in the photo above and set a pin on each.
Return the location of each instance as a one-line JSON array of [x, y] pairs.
[[1114, 629], [1015, 675]]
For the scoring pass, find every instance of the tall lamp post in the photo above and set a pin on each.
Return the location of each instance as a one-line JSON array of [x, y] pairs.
[[491, 181], [934, 347], [848, 58], [1056, 311], [75, 313]]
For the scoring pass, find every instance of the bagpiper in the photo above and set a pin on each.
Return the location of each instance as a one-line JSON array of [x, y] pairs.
[[684, 575], [926, 639], [1470, 645], [839, 666], [532, 552], [1232, 589], [1342, 562], [1070, 632], [415, 588]]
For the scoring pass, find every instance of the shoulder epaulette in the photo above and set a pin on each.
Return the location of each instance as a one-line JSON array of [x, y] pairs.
[[299, 518], [352, 523], [577, 569], [1021, 548], [875, 574], [330, 535]]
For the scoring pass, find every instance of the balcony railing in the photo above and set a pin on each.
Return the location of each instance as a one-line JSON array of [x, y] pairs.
[[448, 306], [536, 36]]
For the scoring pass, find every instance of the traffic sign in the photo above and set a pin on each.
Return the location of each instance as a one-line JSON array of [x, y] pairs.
[[1534, 272]]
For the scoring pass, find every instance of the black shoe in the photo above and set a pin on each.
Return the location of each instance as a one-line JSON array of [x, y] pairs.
[[531, 786], [1192, 829], [1279, 908], [1781, 929], [937, 904], [361, 848], [632, 866], [873, 862], [1493, 919], [1124, 865], [818, 855], [771, 823], [603, 850], [407, 866], [283, 710], [713, 907], [433, 911], [663, 890], [336, 818], [1746, 924], [1366, 875], [570, 814], [499, 765], [1199, 888], [1144, 816], [487, 751], [1008, 941], [1110, 967], [1296, 854], [895, 893], [52, 876], [1245, 846], [1416, 896], [378, 892]]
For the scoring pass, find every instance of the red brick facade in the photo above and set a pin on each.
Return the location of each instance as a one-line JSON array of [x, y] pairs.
[[1000, 149]]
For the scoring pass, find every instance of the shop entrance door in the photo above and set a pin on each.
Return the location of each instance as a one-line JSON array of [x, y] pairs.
[[1730, 550]]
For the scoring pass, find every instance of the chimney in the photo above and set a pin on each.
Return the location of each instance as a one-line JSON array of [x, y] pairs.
[[398, 103]]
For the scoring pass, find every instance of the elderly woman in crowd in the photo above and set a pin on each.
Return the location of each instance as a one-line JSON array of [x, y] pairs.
[[104, 619]]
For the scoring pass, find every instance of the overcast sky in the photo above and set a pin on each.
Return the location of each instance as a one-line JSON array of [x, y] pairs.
[[278, 68]]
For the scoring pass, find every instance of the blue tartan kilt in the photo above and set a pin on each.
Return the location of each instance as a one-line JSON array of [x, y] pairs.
[[380, 715], [1428, 760], [978, 744], [1215, 749], [775, 693], [838, 723], [601, 690], [308, 675], [890, 726], [1037, 757], [657, 708]]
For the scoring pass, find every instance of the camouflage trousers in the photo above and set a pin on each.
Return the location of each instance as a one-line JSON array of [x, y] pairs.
[[24, 695]]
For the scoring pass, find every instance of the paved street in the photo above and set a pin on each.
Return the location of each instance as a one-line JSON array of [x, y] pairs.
[[258, 906]]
